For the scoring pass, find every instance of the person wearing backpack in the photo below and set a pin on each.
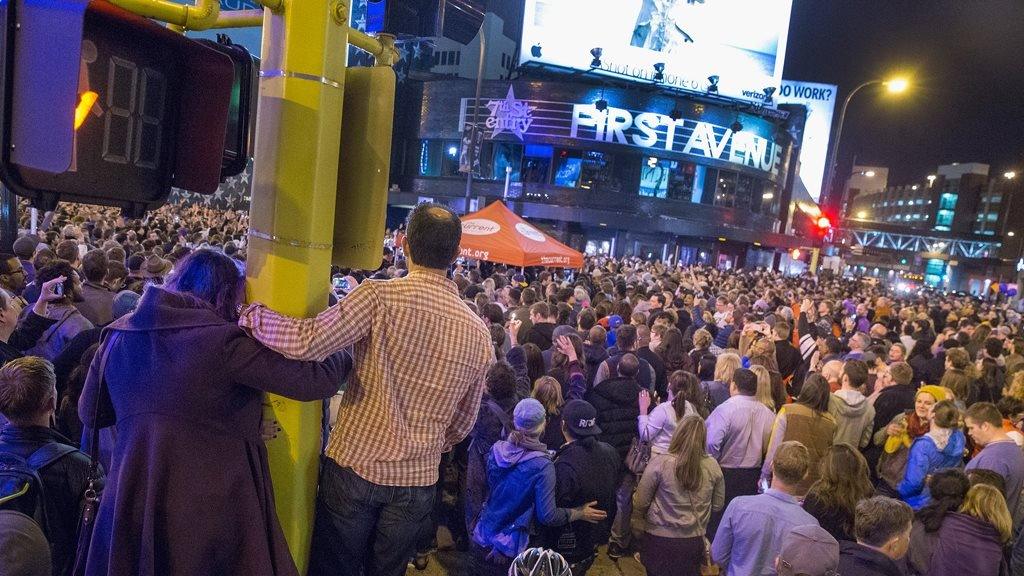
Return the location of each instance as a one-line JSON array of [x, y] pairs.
[[492, 424], [35, 457], [522, 479]]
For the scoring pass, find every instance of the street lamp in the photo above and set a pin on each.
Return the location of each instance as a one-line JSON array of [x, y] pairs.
[[894, 85], [1009, 175]]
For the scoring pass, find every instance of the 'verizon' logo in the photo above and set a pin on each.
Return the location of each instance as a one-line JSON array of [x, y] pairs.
[[480, 227]]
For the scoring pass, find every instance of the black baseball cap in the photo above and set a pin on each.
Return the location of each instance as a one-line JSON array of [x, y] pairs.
[[580, 418]]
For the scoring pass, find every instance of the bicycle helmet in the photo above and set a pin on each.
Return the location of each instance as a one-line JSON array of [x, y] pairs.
[[539, 562]]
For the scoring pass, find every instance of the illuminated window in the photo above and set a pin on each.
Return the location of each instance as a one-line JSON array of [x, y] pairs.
[[536, 163], [568, 166]]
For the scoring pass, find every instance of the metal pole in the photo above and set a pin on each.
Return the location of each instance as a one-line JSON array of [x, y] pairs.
[[508, 180], [35, 221], [833, 161], [294, 187], [476, 107]]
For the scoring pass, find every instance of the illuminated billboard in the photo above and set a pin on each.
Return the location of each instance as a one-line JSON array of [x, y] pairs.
[[820, 100], [734, 48]]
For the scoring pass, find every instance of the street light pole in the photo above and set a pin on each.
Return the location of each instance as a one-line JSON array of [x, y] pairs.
[[830, 181], [471, 153]]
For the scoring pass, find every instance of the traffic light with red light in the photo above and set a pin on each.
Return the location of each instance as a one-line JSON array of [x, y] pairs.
[[102, 106]]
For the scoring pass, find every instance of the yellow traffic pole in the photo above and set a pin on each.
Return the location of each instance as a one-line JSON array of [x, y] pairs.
[[295, 178]]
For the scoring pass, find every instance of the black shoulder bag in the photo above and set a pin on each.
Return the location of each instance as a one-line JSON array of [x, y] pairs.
[[91, 498]]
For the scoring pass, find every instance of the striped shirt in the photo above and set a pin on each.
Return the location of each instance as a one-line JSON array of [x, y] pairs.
[[420, 359]]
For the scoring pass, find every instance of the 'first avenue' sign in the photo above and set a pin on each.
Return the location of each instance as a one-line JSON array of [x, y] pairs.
[[700, 132]]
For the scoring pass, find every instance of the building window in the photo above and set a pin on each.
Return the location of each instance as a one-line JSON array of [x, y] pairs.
[[596, 170], [654, 176], [991, 216], [725, 192], [537, 163], [430, 158], [450, 158], [505, 154], [947, 201], [568, 165]]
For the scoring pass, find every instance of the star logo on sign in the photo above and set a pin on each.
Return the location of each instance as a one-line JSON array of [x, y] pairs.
[[510, 115]]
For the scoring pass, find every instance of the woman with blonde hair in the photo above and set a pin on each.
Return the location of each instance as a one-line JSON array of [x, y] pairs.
[[971, 540], [725, 366], [548, 391], [676, 496], [764, 387]]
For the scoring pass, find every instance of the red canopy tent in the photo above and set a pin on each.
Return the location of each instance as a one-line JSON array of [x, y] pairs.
[[497, 234]]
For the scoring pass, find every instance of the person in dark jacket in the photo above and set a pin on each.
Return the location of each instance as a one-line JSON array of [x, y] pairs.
[[542, 330], [617, 413], [787, 355], [190, 484], [493, 424], [595, 352], [949, 488], [522, 479], [586, 470], [882, 529], [28, 398]]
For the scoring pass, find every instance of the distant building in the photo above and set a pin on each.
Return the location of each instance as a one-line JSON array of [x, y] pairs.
[[947, 201], [865, 181]]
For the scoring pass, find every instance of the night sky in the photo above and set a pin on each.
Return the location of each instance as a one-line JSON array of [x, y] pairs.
[[966, 59]]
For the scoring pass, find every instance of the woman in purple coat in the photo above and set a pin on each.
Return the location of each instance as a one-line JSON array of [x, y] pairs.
[[189, 490]]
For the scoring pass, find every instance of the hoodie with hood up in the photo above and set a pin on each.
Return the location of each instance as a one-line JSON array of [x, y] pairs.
[[854, 417], [966, 545], [521, 476]]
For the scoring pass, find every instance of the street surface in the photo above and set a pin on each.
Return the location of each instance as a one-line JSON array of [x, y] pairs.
[[448, 562]]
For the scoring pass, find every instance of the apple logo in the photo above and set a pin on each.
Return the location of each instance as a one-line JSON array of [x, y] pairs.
[[535, 50]]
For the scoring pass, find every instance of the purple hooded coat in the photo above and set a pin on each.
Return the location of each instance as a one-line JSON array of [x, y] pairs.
[[966, 545], [189, 489]]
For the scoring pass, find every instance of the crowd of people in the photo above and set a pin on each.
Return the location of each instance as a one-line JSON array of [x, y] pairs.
[[686, 416]]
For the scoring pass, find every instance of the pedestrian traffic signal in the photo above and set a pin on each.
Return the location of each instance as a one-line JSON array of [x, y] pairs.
[[101, 106], [238, 137]]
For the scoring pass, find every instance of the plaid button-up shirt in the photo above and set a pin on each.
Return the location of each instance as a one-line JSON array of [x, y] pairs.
[[420, 360]]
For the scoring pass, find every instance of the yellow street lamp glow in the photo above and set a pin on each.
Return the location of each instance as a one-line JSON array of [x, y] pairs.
[[795, 254], [897, 85], [1009, 175], [870, 173], [862, 214]]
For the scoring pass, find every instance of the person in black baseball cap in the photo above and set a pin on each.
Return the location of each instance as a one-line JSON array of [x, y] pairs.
[[586, 470]]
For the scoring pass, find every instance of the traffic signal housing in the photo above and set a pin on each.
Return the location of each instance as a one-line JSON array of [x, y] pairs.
[[102, 106]]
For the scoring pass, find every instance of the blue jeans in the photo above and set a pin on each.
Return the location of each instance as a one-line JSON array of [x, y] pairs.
[[364, 528]]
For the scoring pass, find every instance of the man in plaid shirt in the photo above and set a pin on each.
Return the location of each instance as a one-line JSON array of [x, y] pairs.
[[420, 359]]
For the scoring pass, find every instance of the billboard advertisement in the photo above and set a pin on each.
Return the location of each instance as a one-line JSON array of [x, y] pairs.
[[820, 101], [734, 48]]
